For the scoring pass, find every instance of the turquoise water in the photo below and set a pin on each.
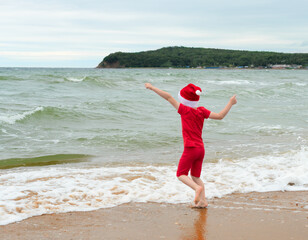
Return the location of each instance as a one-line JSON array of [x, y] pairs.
[[109, 114], [75, 139]]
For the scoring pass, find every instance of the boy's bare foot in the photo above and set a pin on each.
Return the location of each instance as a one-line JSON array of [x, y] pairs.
[[197, 194], [202, 204]]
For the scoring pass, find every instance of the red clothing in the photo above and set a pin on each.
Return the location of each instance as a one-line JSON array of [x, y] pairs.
[[192, 159], [192, 124]]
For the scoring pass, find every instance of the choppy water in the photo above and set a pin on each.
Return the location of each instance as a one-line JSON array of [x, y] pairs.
[[82, 139]]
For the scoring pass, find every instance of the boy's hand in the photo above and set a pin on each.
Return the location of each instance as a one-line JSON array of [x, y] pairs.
[[148, 86], [233, 100]]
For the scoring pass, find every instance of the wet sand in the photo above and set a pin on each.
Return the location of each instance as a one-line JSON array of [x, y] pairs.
[[273, 215]]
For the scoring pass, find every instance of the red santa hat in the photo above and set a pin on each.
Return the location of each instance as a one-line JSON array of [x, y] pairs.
[[190, 95]]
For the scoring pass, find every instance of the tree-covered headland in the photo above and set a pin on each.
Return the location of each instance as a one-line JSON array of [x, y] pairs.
[[184, 57]]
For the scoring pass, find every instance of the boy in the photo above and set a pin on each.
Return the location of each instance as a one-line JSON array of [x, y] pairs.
[[192, 118]]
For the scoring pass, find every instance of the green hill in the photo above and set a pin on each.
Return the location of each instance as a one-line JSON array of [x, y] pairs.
[[179, 57]]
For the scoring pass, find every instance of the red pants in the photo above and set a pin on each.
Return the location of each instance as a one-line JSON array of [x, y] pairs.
[[191, 159]]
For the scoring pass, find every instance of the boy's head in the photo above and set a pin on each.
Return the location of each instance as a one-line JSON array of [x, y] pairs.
[[190, 95]]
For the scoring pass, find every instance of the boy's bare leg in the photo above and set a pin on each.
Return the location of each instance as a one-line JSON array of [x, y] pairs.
[[189, 182], [202, 202]]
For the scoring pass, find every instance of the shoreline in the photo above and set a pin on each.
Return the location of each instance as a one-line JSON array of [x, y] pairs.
[[158, 68], [268, 215], [196, 68]]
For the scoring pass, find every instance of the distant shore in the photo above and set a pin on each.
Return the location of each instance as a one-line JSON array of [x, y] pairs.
[[221, 68], [188, 57], [266, 216]]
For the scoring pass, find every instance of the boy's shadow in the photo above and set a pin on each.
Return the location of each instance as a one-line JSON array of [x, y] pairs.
[[200, 230]]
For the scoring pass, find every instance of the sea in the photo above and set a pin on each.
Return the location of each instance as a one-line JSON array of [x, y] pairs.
[[82, 139]]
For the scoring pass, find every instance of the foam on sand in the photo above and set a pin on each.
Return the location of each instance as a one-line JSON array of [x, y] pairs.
[[54, 189]]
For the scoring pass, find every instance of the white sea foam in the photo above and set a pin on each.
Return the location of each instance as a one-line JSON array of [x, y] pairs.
[[271, 129], [300, 84], [75, 79], [3, 130], [11, 119], [61, 189], [230, 82]]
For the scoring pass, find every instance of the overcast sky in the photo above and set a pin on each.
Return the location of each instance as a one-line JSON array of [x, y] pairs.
[[80, 33]]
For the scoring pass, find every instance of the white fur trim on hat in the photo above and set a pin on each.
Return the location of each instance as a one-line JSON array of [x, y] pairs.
[[198, 92], [192, 104]]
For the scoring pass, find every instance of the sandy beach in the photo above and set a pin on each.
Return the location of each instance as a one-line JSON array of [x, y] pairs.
[[272, 215]]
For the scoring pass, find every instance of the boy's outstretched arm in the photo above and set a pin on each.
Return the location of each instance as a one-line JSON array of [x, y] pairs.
[[224, 112], [164, 95]]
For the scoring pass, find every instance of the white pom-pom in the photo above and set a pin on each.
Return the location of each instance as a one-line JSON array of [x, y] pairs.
[[198, 92]]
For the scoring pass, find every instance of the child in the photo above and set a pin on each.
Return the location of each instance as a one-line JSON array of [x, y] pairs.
[[192, 118]]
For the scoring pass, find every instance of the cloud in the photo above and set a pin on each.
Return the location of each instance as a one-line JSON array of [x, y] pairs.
[[50, 55], [304, 44], [73, 30]]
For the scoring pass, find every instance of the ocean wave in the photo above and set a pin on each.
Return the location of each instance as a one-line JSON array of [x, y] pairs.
[[272, 130], [42, 112], [292, 84], [10, 78], [75, 79], [55, 189], [94, 80], [231, 82], [300, 84], [42, 160], [11, 119]]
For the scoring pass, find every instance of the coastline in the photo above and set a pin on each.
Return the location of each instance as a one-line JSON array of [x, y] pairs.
[[198, 68], [268, 215]]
